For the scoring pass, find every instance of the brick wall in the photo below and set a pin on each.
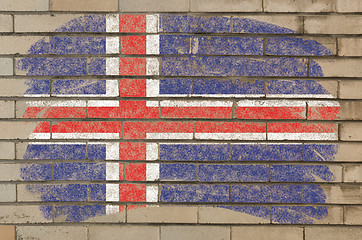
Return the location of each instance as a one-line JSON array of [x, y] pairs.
[[253, 130]]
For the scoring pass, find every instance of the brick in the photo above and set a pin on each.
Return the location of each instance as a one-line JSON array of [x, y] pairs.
[[6, 23], [52, 232], [351, 131], [350, 110], [13, 87], [266, 233], [23, 130], [299, 5], [226, 6], [46, 23], [210, 215], [7, 150], [19, 5], [154, 5], [352, 215], [349, 152], [343, 194], [22, 214], [332, 233], [350, 46], [125, 232], [7, 192], [194, 232], [10, 172], [84, 5], [7, 232], [7, 109], [353, 173], [350, 89], [162, 214], [337, 24], [119, 217], [19, 44], [6, 66], [349, 6], [332, 68]]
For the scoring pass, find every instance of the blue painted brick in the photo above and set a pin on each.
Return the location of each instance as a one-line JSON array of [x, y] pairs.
[[78, 45], [213, 86], [178, 172], [194, 193], [40, 47], [175, 23], [36, 172], [258, 211], [194, 152], [295, 87], [75, 25], [64, 87], [97, 192], [95, 23], [320, 152], [60, 192], [233, 173], [315, 70], [174, 44], [37, 86], [266, 152], [79, 171], [97, 66], [300, 173], [75, 213], [97, 151], [245, 25], [313, 193], [298, 214], [56, 151], [175, 86]]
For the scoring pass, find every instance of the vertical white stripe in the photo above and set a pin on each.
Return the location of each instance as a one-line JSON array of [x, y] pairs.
[[112, 89], [153, 44], [112, 152], [152, 66], [112, 171], [152, 23], [151, 151], [112, 23], [112, 45], [152, 171], [112, 209], [112, 192], [152, 193], [152, 88], [112, 66]]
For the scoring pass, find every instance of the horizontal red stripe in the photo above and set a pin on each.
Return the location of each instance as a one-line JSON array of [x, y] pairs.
[[42, 127], [126, 109], [302, 128], [323, 113], [55, 112], [138, 130], [196, 112], [87, 127], [232, 127], [271, 112]]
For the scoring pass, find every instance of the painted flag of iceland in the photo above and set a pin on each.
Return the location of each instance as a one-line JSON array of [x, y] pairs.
[[209, 111]]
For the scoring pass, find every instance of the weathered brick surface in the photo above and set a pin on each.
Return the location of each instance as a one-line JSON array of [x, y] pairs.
[[350, 89], [7, 232], [84, 5], [226, 6], [163, 214], [331, 68], [17, 130], [332, 233], [299, 6], [18, 44], [7, 109], [343, 194], [352, 215], [124, 232], [349, 152], [10, 172], [6, 23], [7, 150], [349, 6], [7, 192], [13, 87], [30, 5], [336, 24], [41, 23], [154, 6], [6, 66], [194, 233], [21, 214], [350, 110], [266, 233], [52, 232], [353, 173], [350, 47], [351, 132]]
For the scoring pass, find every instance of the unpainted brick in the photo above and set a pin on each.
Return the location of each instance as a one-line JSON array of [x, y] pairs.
[[353, 173], [123, 232], [18, 44], [194, 232], [331, 86], [226, 6], [6, 23], [119, 217], [349, 6], [6, 66], [341, 67], [7, 232], [7, 150], [299, 5], [41, 23], [84, 5], [52, 232], [332, 233], [224, 216], [17, 130], [350, 46], [335, 216], [162, 214], [9, 172], [336, 24], [351, 131], [7, 192], [349, 152], [22, 214], [350, 110], [352, 215], [343, 194], [28, 5], [266, 233], [13, 87], [7, 109], [350, 89], [154, 5]]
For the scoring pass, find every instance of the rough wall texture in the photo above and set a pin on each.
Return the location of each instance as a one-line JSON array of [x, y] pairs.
[[180, 119]]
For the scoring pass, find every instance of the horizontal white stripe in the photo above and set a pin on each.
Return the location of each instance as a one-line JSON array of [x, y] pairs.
[[303, 136], [169, 135], [271, 103], [152, 66], [112, 171], [323, 104], [151, 151], [112, 23], [36, 95], [231, 136], [112, 88], [112, 66], [153, 44], [112, 192], [152, 104], [60, 143], [152, 171], [227, 95], [112, 209], [39, 136], [176, 103], [152, 23], [152, 193], [85, 135], [103, 103], [112, 45], [71, 103], [81, 95], [299, 96]]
